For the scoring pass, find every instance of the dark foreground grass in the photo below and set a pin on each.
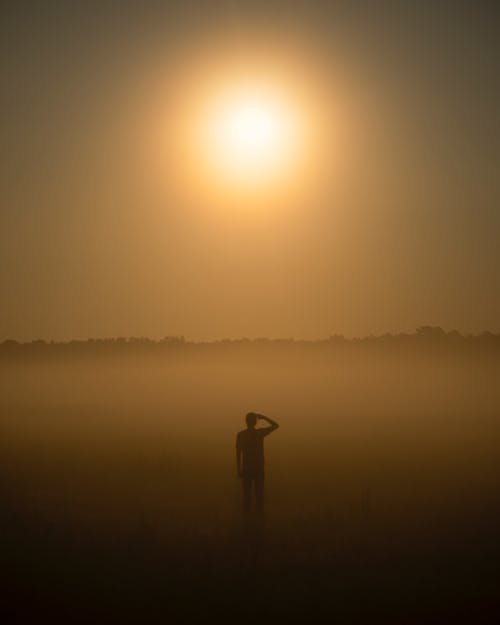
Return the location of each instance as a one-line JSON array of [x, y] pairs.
[[360, 570]]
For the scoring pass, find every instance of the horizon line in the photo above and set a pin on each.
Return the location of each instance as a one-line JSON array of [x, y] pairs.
[[425, 331]]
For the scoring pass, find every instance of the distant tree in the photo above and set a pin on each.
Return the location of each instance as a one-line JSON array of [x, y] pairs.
[[430, 332]]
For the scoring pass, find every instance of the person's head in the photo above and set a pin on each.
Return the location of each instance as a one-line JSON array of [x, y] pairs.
[[251, 420]]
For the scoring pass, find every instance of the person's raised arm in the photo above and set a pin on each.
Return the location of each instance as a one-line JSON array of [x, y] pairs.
[[272, 424]]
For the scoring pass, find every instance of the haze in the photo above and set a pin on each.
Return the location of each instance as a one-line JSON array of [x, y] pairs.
[[224, 221], [387, 220]]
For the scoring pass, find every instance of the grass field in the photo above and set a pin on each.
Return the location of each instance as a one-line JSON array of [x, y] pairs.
[[120, 501]]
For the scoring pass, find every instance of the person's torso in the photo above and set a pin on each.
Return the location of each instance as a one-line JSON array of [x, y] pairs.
[[252, 447]]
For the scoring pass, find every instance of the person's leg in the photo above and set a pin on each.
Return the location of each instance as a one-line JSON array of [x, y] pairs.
[[259, 493]]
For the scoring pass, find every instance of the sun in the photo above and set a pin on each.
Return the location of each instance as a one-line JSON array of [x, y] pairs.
[[237, 135], [249, 134], [251, 131]]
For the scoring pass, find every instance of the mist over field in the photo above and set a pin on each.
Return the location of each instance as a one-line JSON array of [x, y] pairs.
[[249, 169], [118, 463]]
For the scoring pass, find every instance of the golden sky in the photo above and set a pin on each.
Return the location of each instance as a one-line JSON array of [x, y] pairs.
[[248, 169]]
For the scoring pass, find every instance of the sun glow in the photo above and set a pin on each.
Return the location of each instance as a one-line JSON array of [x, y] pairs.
[[249, 135], [251, 131]]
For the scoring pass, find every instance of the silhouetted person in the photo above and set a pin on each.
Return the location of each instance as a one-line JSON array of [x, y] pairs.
[[250, 460]]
